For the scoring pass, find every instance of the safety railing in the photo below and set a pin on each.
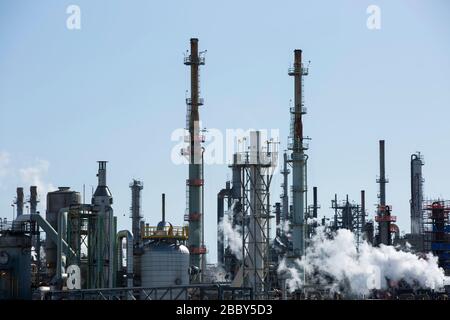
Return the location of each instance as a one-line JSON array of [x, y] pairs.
[[166, 232]]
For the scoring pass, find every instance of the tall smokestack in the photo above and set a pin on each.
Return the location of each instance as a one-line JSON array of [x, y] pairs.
[[33, 199], [382, 175], [19, 201], [416, 193], [195, 181], [384, 217], [298, 159], [163, 207]]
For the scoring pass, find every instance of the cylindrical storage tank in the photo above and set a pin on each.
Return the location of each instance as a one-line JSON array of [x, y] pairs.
[[56, 200], [15, 266], [165, 264]]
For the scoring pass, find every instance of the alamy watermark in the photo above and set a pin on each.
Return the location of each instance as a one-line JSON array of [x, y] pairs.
[[214, 146], [73, 21], [374, 19]]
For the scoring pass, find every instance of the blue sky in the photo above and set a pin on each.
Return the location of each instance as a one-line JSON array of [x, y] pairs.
[[115, 91]]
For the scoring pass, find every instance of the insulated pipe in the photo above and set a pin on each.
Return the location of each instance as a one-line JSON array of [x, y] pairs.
[[125, 234], [62, 216]]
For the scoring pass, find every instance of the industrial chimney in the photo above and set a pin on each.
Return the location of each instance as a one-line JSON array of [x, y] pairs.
[[298, 147], [19, 201], [33, 199], [195, 181]]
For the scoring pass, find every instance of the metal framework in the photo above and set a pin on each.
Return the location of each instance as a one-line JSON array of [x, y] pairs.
[[194, 292], [85, 237], [348, 215], [256, 169], [436, 226]]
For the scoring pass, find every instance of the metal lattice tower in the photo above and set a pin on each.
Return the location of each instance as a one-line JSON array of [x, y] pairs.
[[255, 168], [436, 228]]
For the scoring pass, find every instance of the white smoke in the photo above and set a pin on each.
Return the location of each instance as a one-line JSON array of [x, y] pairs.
[[337, 261], [312, 221], [215, 273], [291, 274], [34, 176], [232, 235], [285, 226]]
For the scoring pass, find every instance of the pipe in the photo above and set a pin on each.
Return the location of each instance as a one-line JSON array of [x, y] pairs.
[[285, 196], [102, 173], [278, 218], [383, 226], [163, 205], [363, 208], [112, 244], [33, 199], [382, 175], [136, 216], [203, 209], [335, 212], [314, 202], [125, 234], [224, 193], [19, 201], [220, 235], [62, 215], [416, 194]]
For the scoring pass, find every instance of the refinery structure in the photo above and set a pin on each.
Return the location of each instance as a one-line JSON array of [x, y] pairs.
[[265, 247]]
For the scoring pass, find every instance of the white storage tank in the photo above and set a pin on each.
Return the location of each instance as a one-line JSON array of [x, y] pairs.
[[164, 260], [165, 264]]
